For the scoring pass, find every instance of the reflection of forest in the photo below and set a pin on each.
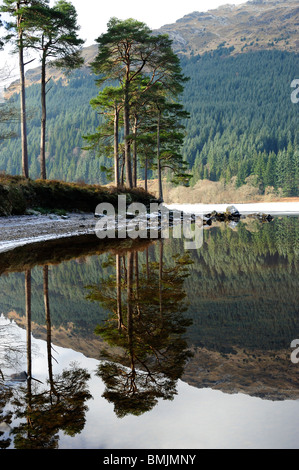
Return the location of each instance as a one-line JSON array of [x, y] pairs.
[[241, 295], [238, 276], [245, 310], [144, 330], [246, 288], [146, 322]]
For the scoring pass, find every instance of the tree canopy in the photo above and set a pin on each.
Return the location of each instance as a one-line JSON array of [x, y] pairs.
[[138, 61]]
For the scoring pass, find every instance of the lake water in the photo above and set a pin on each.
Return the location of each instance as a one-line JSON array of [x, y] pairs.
[[147, 345]]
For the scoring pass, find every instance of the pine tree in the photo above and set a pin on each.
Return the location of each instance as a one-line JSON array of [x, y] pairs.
[[17, 34], [126, 51], [53, 33], [109, 103], [270, 176]]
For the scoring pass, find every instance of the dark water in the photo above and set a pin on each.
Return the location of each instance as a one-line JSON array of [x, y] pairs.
[[147, 345]]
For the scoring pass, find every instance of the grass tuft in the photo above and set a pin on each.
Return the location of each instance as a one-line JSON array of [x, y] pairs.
[[18, 194]]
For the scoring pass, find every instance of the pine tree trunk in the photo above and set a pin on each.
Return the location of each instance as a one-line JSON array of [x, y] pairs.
[[130, 268], [122, 174], [48, 321], [118, 292], [145, 174], [135, 154], [25, 166], [116, 148], [43, 121], [28, 319], [129, 182], [158, 159], [161, 276]]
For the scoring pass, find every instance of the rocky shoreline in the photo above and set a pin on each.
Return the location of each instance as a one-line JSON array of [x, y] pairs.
[[35, 227]]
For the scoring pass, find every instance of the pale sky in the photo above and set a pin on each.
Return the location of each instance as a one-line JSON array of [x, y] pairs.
[[93, 16]]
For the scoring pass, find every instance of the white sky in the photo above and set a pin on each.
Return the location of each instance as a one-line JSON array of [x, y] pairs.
[[93, 16]]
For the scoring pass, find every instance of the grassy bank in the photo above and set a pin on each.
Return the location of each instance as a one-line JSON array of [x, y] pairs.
[[18, 195], [217, 192]]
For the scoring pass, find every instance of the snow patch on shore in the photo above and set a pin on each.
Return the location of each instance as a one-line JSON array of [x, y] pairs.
[[273, 208], [18, 231], [9, 245]]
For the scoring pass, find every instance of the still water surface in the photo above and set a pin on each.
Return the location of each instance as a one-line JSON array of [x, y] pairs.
[[146, 345]]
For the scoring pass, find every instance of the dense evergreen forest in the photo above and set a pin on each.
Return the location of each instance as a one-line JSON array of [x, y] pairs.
[[242, 123], [69, 117]]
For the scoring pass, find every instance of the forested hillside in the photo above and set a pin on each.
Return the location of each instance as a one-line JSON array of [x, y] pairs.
[[69, 117], [242, 122]]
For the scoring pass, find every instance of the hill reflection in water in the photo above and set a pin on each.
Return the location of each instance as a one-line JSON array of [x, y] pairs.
[[220, 317]]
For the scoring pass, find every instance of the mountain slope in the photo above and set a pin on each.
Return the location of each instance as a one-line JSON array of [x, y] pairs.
[[254, 25]]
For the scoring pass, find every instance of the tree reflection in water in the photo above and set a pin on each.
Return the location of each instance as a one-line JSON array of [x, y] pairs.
[[11, 352], [44, 410], [5, 416], [144, 331]]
